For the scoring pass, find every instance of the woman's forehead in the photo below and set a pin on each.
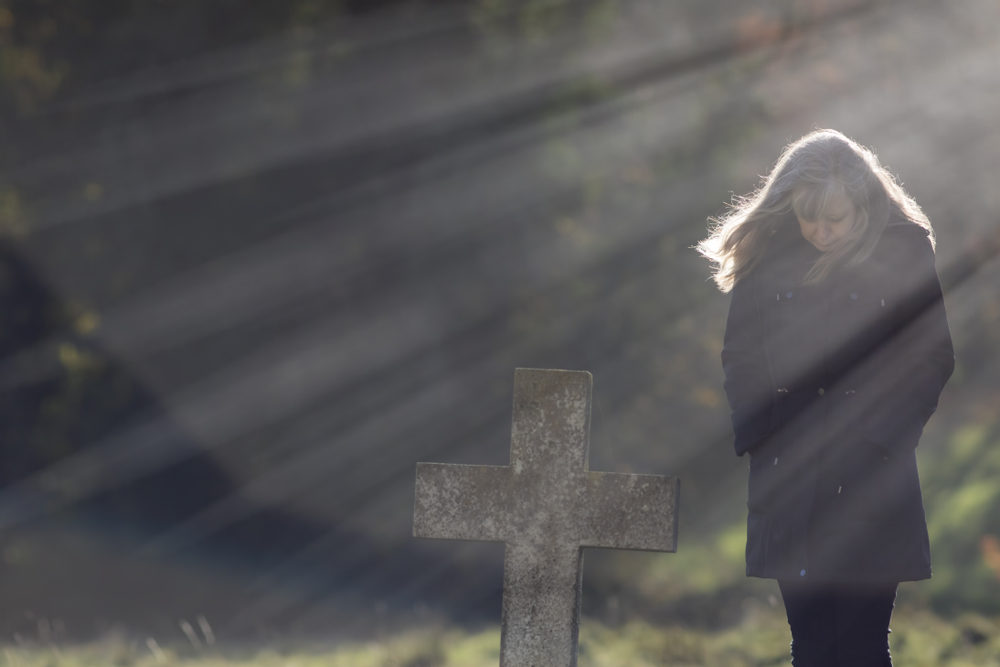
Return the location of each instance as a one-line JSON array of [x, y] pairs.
[[812, 202]]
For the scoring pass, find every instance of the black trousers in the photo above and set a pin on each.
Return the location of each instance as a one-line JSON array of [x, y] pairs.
[[838, 625]]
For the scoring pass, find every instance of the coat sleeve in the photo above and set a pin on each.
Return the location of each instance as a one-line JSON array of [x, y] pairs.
[[917, 354], [747, 378]]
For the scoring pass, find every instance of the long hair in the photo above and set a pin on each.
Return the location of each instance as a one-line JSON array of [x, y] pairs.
[[807, 173]]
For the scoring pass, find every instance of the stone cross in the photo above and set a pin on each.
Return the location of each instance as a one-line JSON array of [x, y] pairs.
[[545, 506]]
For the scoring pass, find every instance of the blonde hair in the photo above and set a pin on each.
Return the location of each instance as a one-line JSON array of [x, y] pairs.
[[807, 173]]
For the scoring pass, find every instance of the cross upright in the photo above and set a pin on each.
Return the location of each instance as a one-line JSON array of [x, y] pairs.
[[545, 506]]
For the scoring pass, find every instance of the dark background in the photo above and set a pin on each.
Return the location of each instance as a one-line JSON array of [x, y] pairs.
[[258, 259]]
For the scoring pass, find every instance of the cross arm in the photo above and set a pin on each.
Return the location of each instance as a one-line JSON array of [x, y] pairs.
[[630, 512], [461, 502]]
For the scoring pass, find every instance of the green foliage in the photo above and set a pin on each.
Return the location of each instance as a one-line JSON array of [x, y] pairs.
[[963, 501], [919, 639], [526, 26]]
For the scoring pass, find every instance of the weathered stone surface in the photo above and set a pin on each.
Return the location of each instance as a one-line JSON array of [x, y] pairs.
[[546, 505]]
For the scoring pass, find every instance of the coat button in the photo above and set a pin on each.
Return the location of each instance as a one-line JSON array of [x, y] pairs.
[[821, 391]]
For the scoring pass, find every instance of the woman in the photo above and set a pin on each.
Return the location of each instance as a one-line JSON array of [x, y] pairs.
[[836, 349]]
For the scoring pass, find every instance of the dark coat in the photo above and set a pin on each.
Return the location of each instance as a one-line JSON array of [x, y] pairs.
[[830, 386]]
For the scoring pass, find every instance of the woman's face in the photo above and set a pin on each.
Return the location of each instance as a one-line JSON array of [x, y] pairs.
[[833, 224]]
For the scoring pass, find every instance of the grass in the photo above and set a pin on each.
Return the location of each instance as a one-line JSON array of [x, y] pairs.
[[919, 639]]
